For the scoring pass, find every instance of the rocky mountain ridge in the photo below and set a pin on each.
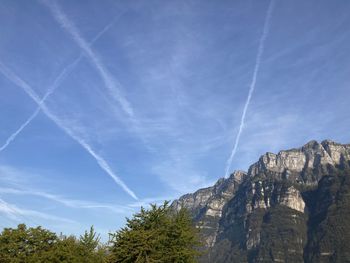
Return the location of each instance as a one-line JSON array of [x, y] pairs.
[[264, 215], [295, 163]]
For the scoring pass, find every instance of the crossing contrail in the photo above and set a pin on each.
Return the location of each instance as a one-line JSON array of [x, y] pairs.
[[252, 84], [111, 83], [31, 93], [57, 82]]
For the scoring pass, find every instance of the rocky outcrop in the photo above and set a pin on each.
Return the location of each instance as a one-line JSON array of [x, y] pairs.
[[264, 215], [292, 198], [298, 165], [206, 204]]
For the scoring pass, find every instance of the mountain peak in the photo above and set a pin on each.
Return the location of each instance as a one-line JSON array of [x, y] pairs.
[[261, 215], [313, 144], [313, 155], [238, 176]]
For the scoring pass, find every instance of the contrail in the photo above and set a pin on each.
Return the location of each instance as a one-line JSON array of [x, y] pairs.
[[18, 131], [100, 161], [57, 82], [13, 212], [55, 85], [110, 83], [253, 83], [18, 214], [73, 203], [7, 209]]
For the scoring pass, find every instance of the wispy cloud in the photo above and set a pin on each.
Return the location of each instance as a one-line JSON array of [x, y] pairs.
[[57, 82], [252, 84], [110, 82], [17, 182], [180, 175], [19, 214], [11, 176], [72, 203], [7, 209], [13, 136], [151, 200], [99, 159]]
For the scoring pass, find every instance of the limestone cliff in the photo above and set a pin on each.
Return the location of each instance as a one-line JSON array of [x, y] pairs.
[[206, 204], [296, 164], [264, 215]]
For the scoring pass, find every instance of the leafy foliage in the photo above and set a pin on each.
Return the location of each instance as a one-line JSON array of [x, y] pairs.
[[25, 244], [156, 235], [37, 245], [90, 240]]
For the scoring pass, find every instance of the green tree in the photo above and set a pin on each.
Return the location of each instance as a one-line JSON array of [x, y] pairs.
[[71, 250], [66, 250], [37, 245], [92, 247], [90, 240], [156, 235], [25, 244]]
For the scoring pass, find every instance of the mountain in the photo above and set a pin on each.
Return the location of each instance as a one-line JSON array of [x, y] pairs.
[[293, 206]]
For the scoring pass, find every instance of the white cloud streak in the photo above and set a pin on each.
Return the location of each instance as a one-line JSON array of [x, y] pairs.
[[180, 175], [110, 82], [7, 209], [55, 85], [83, 204], [19, 130], [252, 84], [18, 214], [100, 161], [72, 203], [57, 82]]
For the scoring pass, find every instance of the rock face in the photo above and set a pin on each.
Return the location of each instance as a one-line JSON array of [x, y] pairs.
[[306, 164], [280, 210], [206, 204]]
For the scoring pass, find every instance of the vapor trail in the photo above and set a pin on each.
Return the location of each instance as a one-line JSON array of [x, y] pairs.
[[19, 214], [57, 82], [13, 212], [110, 83], [7, 209], [18, 131], [252, 84], [100, 161], [73, 203]]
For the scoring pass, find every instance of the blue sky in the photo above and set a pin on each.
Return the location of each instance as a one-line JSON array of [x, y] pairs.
[[109, 105]]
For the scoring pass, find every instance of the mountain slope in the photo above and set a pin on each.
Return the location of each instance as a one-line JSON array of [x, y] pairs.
[[289, 207]]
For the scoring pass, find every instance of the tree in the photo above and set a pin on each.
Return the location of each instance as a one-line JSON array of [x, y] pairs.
[[156, 235], [37, 245], [92, 247], [90, 240], [25, 244]]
